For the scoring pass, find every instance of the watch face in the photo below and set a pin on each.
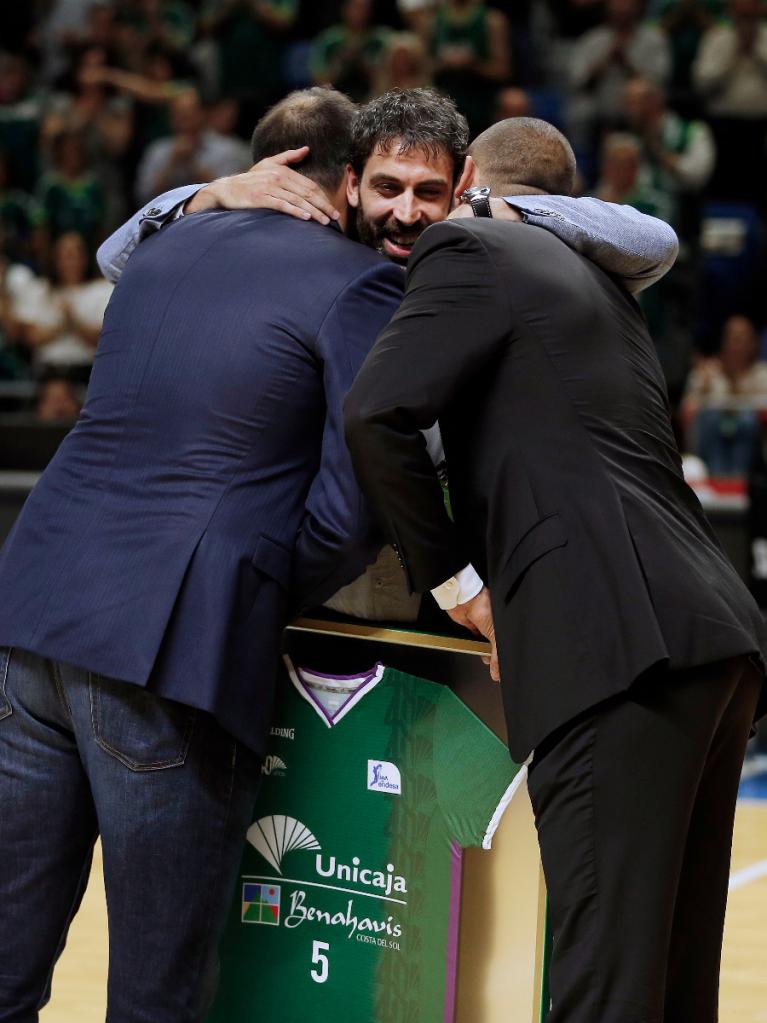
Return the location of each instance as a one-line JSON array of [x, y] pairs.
[[476, 192]]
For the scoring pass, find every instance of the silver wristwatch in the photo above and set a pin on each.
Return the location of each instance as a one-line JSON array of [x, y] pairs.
[[478, 198]]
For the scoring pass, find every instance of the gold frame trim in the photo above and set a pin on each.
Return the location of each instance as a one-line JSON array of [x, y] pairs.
[[540, 949], [399, 637]]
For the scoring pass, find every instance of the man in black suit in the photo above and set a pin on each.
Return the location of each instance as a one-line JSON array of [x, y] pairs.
[[627, 644]]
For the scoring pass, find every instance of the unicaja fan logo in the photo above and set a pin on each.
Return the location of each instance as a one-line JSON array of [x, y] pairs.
[[277, 835], [273, 765], [384, 777]]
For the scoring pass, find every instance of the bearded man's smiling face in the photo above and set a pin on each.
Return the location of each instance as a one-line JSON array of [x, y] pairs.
[[399, 195]]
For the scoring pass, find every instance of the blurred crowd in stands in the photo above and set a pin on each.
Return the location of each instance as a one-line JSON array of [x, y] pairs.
[[106, 103]]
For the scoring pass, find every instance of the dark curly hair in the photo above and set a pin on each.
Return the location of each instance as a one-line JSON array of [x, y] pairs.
[[415, 119]]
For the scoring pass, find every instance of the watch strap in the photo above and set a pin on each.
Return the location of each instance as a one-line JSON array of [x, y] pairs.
[[480, 206]]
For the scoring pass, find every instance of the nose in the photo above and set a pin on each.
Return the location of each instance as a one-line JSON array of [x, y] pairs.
[[407, 210]]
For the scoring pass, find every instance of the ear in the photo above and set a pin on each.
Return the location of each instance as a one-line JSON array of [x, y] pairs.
[[467, 178], [352, 187]]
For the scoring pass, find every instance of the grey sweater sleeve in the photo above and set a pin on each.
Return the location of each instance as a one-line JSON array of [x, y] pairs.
[[115, 251], [631, 245]]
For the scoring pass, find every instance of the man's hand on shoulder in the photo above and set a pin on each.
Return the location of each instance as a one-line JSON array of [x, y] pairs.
[[269, 185], [476, 615]]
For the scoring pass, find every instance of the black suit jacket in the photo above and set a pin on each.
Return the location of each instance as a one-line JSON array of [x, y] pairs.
[[565, 481]]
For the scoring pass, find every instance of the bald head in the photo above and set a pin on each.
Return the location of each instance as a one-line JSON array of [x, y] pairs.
[[320, 118], [524, 151]]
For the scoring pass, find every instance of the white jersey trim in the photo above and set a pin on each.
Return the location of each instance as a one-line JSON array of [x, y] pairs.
[[506, 798], [373, 677]]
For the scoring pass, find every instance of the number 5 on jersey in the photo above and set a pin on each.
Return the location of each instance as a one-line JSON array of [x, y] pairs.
[[319, 948]]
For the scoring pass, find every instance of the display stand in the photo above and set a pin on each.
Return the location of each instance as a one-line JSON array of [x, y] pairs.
[[502, 931]]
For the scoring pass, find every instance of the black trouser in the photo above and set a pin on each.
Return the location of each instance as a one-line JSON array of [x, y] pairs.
[[634, 805]]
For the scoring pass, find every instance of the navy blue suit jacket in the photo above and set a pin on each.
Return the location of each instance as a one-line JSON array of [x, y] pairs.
[[207, 483]]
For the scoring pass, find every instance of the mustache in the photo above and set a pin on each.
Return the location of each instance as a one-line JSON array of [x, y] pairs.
[[393, 228]]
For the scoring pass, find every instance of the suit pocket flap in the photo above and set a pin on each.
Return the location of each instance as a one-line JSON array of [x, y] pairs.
[[273, 559], [546, 535]]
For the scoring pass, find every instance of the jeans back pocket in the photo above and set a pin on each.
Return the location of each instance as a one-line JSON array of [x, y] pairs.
[[142, 730]]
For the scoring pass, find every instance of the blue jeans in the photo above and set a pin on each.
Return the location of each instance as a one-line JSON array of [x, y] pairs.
[[170, 793], [727, 440]]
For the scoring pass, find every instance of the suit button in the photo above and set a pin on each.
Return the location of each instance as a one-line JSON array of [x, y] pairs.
[[154, 212]]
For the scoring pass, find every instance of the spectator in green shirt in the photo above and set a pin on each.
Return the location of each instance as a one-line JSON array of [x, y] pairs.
[[685, 22], [251, 37], [678, 154], [71, 195], [621, 180], [470, 47], [21, 221], [166, 22], [347, 55], [20, 115]]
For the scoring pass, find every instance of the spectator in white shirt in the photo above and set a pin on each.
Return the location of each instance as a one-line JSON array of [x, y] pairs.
[[417, 14], [404, 64], [192, 153], [737, 372], [730, 71], [722, 400], [605, 58], [61, 319], [681, 152], [730, 74]]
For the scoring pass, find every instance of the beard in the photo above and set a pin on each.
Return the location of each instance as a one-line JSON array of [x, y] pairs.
[[376, 235]]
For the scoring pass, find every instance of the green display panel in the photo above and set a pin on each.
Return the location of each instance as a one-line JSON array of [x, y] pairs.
[[347, 905]]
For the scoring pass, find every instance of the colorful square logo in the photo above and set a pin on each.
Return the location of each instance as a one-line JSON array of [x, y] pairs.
[[261, 903]]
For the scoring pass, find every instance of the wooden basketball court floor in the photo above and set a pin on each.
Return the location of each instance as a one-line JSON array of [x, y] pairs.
[[80, 979]]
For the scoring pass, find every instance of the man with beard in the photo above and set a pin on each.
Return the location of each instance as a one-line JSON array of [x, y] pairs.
[[407, 156]]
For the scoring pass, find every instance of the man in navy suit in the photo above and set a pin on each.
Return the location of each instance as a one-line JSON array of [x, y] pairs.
[[147, 580]]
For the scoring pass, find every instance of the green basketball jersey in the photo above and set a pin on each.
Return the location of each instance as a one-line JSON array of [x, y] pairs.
[[347, 908]]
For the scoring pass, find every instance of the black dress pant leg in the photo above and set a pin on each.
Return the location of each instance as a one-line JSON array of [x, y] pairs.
[[623, 797], [692, 985]]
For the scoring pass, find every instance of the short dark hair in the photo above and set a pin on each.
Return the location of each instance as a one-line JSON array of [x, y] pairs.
[[320, 118], [524, 151], [415, 119]]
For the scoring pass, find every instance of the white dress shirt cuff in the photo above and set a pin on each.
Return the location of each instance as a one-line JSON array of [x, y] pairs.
[[458, 588]]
